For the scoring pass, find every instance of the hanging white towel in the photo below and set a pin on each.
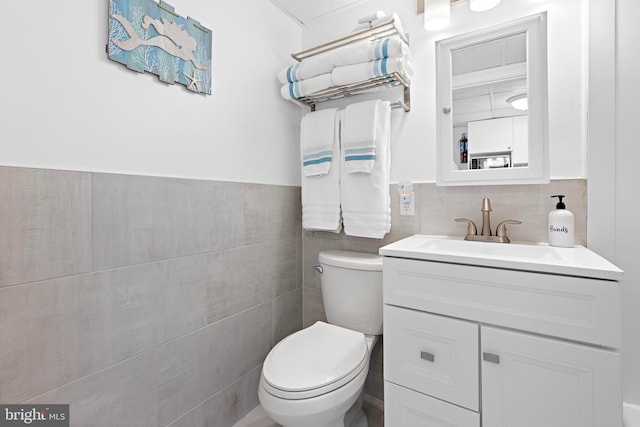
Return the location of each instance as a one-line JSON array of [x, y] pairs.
[[321, 193], [317, 141], [365, 199], [358, 136]]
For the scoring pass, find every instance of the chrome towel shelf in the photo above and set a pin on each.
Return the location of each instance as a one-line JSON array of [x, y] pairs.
[[375, 32]]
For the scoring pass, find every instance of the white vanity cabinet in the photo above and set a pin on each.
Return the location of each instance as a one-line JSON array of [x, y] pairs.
[[469, 345]]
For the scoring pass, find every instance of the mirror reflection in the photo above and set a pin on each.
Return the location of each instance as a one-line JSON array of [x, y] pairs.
[[489, 104]]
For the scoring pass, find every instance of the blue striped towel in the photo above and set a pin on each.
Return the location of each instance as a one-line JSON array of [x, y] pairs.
[[359, 136], [317, 163], [363, 51], [306, 87], [350, 74], [318, 141], [360, 159]]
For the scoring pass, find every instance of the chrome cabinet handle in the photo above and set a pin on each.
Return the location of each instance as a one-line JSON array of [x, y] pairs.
[[490, 357], [429, 357]]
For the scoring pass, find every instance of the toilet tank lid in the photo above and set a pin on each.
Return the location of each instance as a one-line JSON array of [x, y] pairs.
[[352, 260]]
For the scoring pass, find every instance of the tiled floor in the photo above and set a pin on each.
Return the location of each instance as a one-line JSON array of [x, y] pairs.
[[256, 418], [259, 418]]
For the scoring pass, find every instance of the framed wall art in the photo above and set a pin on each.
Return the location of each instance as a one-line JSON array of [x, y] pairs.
[[149, 36]]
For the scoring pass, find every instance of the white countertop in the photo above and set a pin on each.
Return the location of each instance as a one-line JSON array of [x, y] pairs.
[[527, 256]]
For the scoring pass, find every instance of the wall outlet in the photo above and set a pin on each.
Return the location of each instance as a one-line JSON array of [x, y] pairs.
[[406, 204]]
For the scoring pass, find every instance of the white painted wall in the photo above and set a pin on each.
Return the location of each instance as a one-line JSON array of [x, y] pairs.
[[627, 181], [413, 134], [67, 106]]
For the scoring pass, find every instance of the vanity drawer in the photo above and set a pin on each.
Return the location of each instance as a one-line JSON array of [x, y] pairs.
[[574, 308], [432, 354], [407, 408]]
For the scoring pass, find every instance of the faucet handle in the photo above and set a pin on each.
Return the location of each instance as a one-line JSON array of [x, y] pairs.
[[501, 231], [471, 227]]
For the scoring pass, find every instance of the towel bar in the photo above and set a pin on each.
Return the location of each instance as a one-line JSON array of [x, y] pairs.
[[339, 92]]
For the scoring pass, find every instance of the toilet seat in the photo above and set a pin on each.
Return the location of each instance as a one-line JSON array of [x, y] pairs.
[[314, 361]]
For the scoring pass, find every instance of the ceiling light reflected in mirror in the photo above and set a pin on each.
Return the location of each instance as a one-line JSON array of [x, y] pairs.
[[519, 102]]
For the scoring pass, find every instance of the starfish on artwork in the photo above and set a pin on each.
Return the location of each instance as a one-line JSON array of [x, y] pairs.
[[193, 81]]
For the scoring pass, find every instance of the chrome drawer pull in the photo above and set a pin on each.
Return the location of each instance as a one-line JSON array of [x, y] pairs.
[[490, 357], [429, 357]]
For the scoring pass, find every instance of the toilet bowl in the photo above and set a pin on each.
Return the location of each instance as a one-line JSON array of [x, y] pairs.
[[315, 377]]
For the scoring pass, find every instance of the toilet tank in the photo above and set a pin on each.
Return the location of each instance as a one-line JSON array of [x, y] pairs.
[[352, 290]]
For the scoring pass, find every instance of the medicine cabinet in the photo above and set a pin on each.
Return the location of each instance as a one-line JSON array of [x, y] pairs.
[[483, 135]]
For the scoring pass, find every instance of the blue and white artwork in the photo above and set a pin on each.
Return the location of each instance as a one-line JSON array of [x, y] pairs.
[[149, 36]]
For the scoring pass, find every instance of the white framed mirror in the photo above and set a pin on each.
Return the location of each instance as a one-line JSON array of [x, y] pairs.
[[483, 135]]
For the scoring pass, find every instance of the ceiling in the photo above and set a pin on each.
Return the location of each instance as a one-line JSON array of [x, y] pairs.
[[303, 11]]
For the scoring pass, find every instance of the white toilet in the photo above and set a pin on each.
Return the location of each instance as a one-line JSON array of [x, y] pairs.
[[315, 377]]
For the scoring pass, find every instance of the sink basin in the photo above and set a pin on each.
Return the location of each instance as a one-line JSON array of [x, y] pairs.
[[528, 256], [486, 249]]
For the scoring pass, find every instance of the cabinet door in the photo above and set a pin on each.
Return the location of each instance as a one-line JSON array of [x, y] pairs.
[[491, 136], [407, 408], [530, 381]]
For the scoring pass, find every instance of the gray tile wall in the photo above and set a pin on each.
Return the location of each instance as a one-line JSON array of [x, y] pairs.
[[143, 301], [125, 295], [435, 209]]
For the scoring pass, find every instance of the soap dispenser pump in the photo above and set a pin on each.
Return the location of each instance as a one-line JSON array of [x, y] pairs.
[[561, 225]]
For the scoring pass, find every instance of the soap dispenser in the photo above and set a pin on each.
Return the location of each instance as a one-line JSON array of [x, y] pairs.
[[561, 231]]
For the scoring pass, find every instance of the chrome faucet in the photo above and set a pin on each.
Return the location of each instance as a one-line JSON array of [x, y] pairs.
[[485, 235]]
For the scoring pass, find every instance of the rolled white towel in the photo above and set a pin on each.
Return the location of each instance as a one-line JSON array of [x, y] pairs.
[[378, 14], [368, 20], [381, 20], [306, 87], [355, 73], [367, 50], [309, 67], [362, 51]]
